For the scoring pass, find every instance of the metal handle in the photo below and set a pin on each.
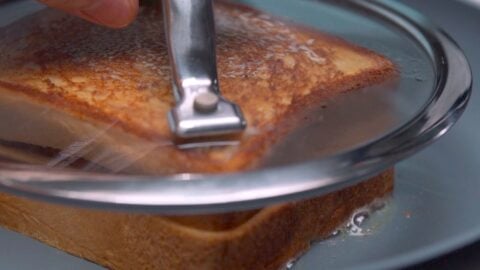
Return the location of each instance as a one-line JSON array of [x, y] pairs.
[[200, 110]]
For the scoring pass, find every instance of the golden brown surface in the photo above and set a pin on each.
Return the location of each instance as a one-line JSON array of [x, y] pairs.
[[103, 95], [121, 80], [266, 240]]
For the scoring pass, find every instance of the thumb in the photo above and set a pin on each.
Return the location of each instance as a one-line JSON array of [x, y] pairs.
[[112, 13]]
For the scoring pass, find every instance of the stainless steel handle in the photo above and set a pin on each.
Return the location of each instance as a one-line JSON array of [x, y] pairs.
[[200, 110]]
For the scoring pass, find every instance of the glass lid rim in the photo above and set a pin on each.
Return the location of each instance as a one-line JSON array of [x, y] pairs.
[[245, 190]]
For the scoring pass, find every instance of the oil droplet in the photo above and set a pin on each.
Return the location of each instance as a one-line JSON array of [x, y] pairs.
[[335, 233], [290, 264], [357, 225], [360, 217]]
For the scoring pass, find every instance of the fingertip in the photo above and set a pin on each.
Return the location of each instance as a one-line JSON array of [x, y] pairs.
[[111, 13], [131, 14]]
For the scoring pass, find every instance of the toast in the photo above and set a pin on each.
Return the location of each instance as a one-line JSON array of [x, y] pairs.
[[104, 94], [84, 96]]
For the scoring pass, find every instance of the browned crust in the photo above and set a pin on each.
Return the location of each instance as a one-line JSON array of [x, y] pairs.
[[127, 241]]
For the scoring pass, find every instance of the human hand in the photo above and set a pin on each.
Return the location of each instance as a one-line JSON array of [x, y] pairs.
[[112, 13]]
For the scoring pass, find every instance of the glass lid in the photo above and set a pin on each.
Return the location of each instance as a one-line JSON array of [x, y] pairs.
[[333, 92]]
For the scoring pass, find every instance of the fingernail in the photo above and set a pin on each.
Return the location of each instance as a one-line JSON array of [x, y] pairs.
[[113, 13]]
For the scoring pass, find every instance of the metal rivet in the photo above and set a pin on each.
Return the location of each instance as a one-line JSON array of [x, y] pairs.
[[206, 102]]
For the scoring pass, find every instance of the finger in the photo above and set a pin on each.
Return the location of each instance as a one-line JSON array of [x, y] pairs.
[[113, 13]]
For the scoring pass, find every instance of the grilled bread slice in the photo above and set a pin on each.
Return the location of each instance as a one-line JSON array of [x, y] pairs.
[[104, 94], [76, 91]]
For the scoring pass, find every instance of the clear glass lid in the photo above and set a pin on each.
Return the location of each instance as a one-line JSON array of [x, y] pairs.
[[333, 92]]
